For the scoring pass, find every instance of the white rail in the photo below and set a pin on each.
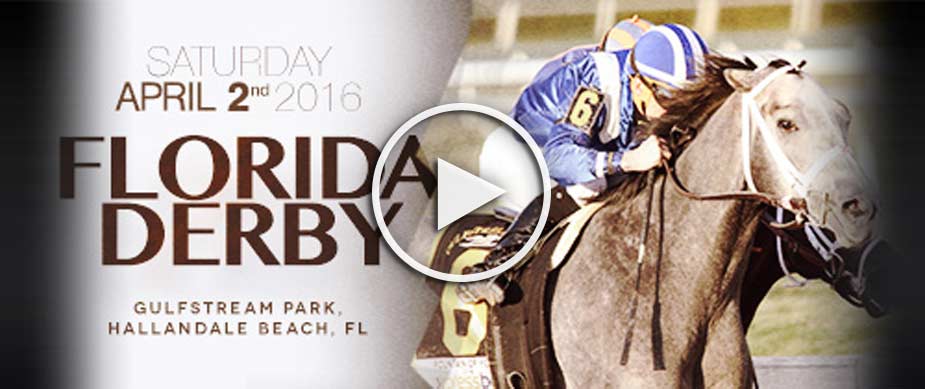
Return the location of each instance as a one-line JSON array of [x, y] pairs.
[[517, 73], [835, 372]]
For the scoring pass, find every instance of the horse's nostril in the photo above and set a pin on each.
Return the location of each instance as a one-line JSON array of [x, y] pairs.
[[856, 208]]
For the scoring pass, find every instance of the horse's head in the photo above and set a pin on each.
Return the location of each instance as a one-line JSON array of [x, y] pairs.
[[795, 150]]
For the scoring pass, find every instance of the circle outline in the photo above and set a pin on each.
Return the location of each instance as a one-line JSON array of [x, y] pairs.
[[377, 189]]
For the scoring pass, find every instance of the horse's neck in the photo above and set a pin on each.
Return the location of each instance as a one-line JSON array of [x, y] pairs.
[[712, 163]]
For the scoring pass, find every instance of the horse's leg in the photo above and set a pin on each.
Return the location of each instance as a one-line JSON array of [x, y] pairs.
[[726, 360]]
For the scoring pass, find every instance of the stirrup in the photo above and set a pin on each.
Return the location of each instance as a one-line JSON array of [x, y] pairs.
[[487, 291]]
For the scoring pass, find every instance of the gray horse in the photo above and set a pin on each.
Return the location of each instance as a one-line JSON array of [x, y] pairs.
[[772, 131]]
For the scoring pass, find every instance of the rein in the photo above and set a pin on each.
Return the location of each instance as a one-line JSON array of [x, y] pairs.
[[799, 181], [833, 263], [644, 236], [732, 195]]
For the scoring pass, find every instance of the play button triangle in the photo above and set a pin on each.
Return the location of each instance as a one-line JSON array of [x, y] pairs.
[[460, 192]]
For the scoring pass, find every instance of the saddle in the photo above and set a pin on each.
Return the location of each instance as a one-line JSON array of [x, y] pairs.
[[507, 345]]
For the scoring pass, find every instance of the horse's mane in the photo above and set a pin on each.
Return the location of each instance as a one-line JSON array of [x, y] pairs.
[[693, 104], [688, 108]]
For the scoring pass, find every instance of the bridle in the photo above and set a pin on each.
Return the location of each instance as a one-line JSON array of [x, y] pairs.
[[834, 264], [799, 181], [850, 283], [803, 198]]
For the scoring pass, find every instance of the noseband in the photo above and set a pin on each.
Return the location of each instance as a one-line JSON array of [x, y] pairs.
[[799, 181]]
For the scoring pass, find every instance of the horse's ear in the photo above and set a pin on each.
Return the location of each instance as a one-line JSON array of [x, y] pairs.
[[751, 64], [740, 79]]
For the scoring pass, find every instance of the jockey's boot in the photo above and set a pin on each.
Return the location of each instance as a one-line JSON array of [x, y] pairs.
[[492, 290]]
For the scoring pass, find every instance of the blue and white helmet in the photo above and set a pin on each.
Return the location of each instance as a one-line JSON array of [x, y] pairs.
[[669, 53]]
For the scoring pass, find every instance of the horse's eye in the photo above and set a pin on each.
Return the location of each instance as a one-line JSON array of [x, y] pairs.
[[787, 125]]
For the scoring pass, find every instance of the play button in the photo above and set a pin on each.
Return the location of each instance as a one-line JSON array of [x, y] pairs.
[[460, 192]]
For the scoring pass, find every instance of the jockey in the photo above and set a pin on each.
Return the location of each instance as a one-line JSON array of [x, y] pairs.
[[622, 36], [583, 108]]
